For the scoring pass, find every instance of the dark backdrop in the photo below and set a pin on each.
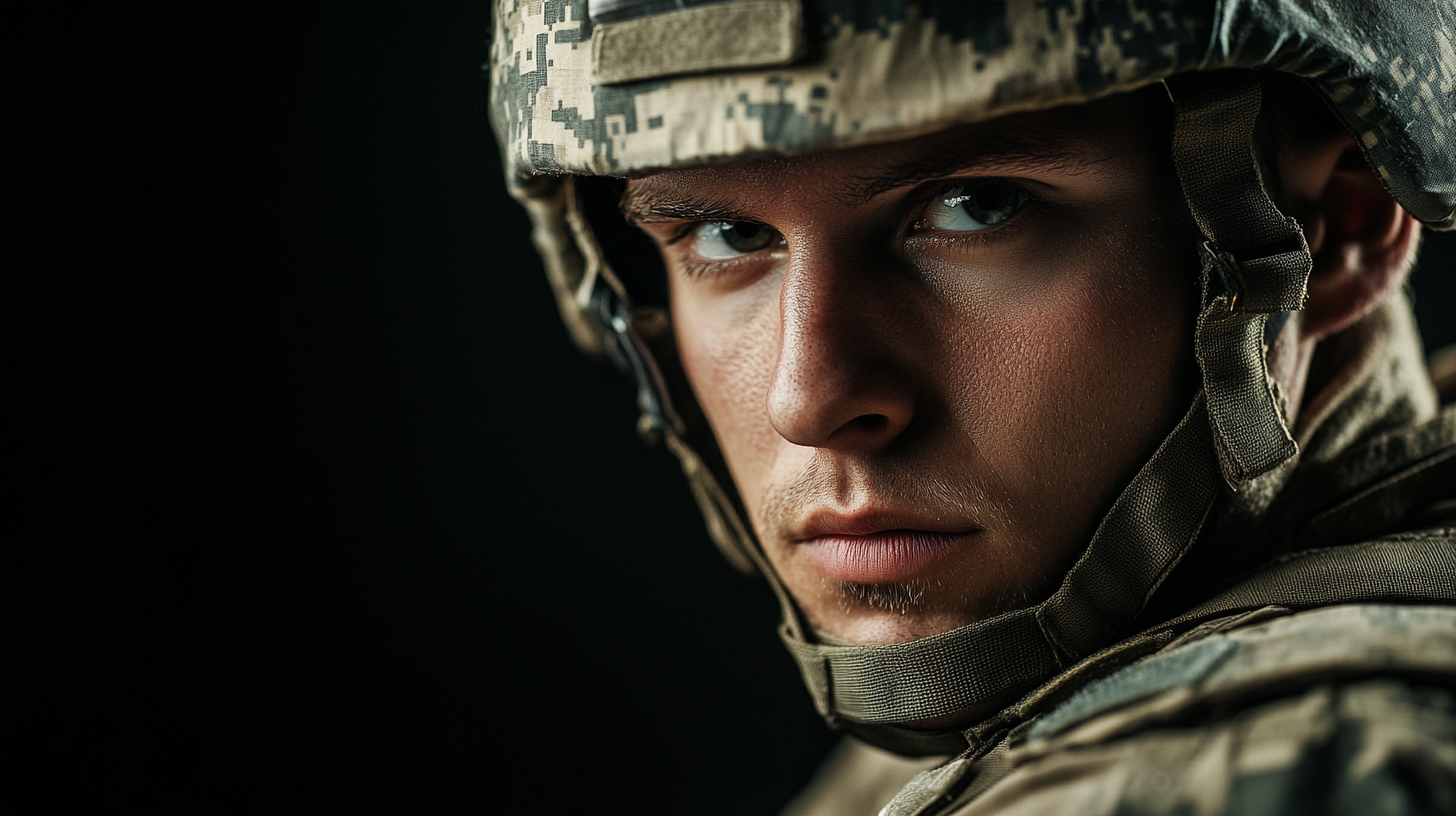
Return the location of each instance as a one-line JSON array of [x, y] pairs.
[[310, 504]]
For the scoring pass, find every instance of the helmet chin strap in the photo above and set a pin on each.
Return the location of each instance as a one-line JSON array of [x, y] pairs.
[[1255, 264]]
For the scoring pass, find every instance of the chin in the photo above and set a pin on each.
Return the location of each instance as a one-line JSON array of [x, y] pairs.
[[879, 616], [888, 613]]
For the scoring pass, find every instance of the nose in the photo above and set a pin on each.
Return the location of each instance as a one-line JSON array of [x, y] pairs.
[[840, 381]]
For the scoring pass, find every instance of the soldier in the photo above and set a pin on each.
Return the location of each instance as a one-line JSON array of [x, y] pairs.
[[1050, 362]]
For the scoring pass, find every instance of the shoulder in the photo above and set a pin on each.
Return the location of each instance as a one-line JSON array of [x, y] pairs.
[[1342, 709], [857, 780]]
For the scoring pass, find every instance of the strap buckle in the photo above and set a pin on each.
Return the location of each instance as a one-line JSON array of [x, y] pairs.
[[1229, 274], [1263, 279]]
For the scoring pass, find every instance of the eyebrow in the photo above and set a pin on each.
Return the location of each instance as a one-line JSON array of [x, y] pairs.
[[1010, 154], [1057, 154], [641, 204]]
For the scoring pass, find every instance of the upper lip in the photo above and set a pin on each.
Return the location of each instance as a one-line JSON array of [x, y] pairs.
[[830, 523]]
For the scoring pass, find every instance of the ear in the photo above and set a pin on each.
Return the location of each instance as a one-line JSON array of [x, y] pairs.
[[1361, 240]]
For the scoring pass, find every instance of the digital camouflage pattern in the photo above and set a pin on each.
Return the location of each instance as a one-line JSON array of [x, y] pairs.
[[1261, 713], [882, 70]]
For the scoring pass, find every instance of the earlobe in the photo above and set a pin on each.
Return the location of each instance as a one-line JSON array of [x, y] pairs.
[[1362, 243]]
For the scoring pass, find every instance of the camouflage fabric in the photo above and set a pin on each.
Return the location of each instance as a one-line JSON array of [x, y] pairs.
[[890, 69], [1245, 716], [1238, 718], [857, 779]]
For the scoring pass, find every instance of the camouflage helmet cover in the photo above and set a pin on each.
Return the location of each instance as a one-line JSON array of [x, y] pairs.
[[627, 97]]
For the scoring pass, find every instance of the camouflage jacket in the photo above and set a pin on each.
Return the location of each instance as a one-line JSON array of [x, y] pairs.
[[1322, 699]]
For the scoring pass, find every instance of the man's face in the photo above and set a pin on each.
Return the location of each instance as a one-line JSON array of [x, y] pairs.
[[932, 365]]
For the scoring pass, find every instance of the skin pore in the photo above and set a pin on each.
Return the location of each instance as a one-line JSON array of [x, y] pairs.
[[932, 365]]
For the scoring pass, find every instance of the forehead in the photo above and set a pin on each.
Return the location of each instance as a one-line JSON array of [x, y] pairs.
[[1115, 137]]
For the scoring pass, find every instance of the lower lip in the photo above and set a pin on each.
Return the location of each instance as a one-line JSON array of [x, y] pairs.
[[883, 558]]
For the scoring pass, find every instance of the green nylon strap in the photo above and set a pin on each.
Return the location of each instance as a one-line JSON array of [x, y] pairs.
[[911, 681], [1250, 435], [1213, 149], [1255, 262], [1408, 569], [1155, 520], [1151, 525]]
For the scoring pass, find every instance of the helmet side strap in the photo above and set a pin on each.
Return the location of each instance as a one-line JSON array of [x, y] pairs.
[[1255, 265]]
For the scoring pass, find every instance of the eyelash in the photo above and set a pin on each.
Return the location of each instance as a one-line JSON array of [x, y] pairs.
[[932, 192], [699, 270], [683, 231]]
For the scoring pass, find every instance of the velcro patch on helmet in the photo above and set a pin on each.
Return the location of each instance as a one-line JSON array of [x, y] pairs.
[[713, 37]]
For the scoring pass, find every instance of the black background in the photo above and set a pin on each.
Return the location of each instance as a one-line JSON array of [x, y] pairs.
[[310, 504]]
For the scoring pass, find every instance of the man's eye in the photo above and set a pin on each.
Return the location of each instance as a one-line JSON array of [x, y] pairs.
[[718, 240], [976, 206]]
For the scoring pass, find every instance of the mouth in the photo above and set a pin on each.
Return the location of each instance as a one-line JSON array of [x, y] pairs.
[[870, 550]]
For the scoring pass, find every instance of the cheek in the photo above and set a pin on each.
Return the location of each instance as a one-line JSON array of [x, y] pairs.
[[1066, 389], [728, 352]]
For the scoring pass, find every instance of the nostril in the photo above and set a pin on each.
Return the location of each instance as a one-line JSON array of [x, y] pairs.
[[871, 423]]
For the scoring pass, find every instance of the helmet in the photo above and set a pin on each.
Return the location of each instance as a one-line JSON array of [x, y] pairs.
[[588, 92]]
